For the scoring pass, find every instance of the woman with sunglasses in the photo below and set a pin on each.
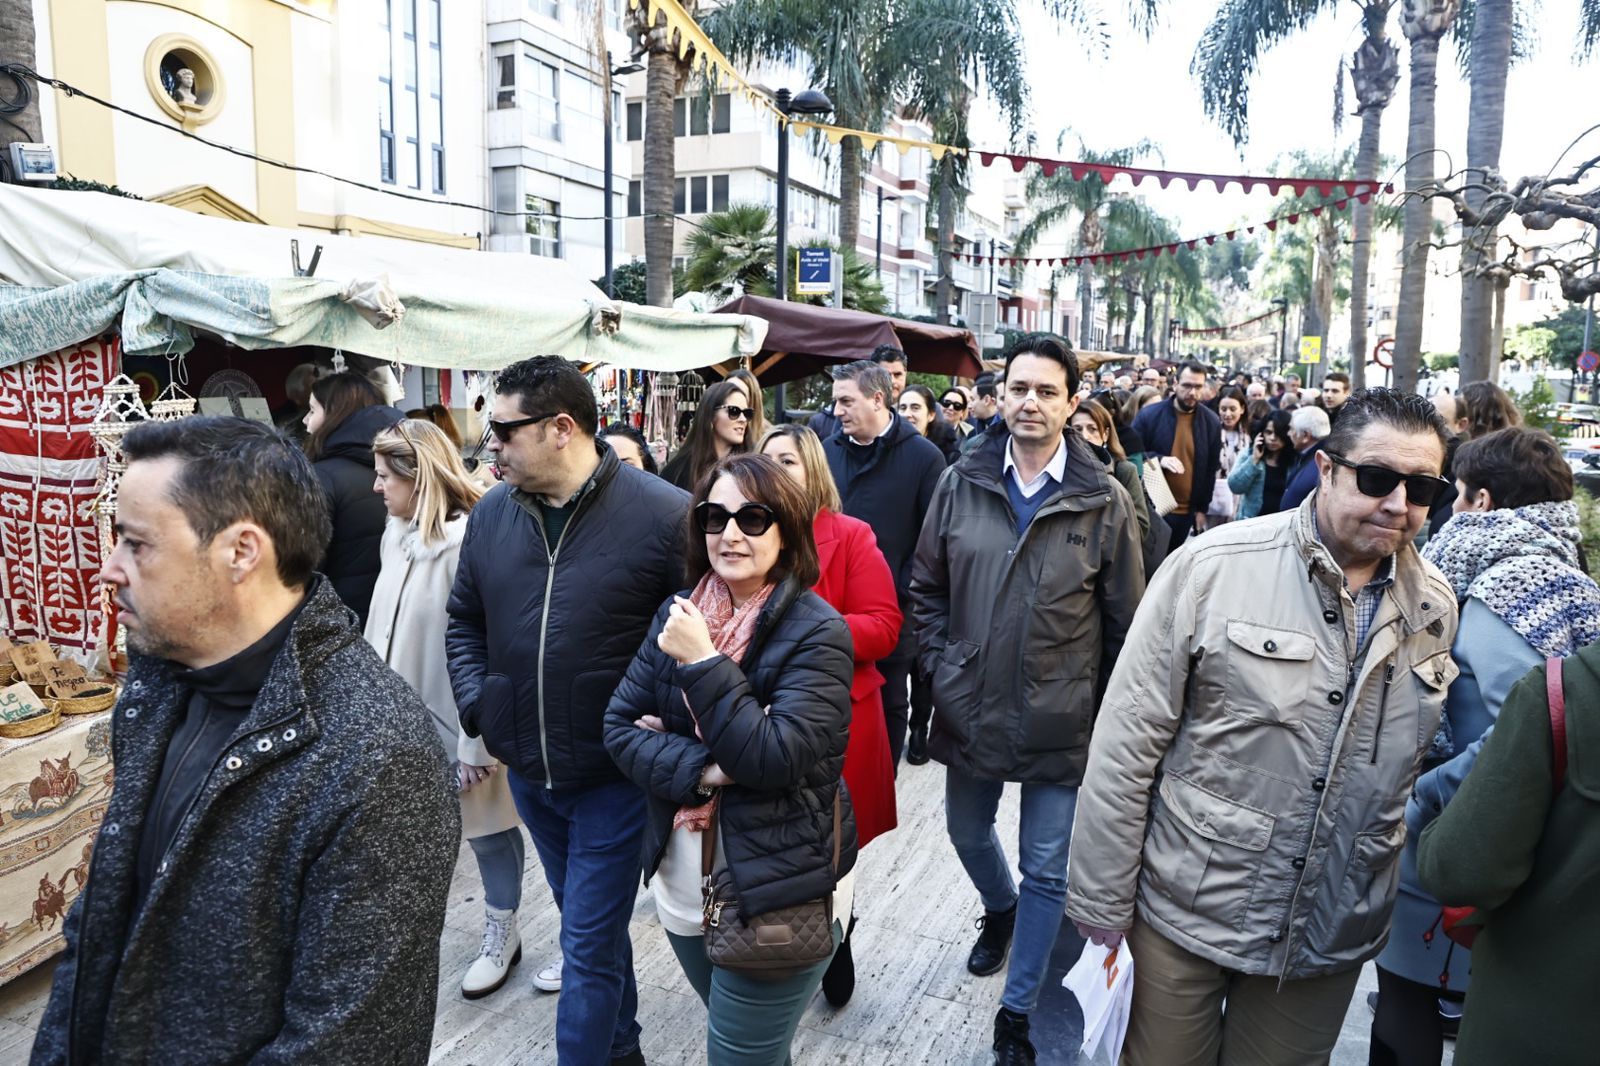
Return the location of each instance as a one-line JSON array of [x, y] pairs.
[[953, 407], [346, 412], [721, 428], [1260, 475], [854, 580], [426, 492], [734, 718]]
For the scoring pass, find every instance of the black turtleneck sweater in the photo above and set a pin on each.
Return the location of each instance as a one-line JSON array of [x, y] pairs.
[[220, 697]]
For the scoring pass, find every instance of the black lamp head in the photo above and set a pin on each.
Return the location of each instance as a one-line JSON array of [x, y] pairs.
[[810, 102]]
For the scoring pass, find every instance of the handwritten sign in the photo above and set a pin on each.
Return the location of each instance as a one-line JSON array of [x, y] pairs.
[[67, 679], [17, 702], [30, 660]]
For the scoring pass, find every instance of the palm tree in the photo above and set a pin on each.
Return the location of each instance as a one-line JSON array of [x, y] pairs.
[[1492, 31], [665, 76], [1057, 198], [842, 46], [1423, 22], [1229, 54], [17, 45], [952, 49], [738, 247]]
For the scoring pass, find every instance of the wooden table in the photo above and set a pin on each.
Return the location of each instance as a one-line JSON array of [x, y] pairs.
[[54, 789]]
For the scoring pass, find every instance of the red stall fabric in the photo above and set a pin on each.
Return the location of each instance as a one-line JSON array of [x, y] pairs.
[[49, 473]]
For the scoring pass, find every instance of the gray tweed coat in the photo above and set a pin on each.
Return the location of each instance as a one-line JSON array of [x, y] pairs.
[[296, 916]]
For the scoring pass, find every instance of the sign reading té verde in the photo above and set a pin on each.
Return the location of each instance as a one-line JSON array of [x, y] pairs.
[[813, 274]]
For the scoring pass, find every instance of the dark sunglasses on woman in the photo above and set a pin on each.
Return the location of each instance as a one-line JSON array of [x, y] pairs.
[[735, 412], [753, 519], [1378, 481], [952, 405]]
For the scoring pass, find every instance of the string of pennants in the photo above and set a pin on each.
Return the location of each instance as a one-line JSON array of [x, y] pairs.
[[1126, 254], [705, 59], [1237, 325]]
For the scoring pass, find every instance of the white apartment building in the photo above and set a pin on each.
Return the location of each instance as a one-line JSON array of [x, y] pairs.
[[546, 136]]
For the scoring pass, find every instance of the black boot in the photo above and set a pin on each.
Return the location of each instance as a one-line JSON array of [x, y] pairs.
[[1011, 1044], [839, 980], [994, 942], [917, 746]]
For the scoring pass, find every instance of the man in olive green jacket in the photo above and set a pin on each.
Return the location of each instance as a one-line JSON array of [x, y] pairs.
[[1241, 816], [1026, 578]]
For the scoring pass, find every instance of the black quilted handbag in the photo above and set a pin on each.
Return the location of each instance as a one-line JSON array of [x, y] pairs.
[[768, 946]]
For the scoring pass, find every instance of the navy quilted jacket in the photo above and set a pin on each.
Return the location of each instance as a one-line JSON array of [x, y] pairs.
[[295, 916], [776, 723]]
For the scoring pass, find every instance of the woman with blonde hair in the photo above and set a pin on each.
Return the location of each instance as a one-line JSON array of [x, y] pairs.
[[854, 580], [427, 493]]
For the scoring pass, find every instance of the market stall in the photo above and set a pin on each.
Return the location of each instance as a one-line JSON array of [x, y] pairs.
[[96, 290]]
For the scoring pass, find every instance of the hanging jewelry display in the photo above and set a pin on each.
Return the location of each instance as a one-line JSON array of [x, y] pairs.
[[661, 414], [120, 410], [173, 403]]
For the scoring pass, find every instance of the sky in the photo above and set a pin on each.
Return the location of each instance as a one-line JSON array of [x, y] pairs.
[[1142, 89]]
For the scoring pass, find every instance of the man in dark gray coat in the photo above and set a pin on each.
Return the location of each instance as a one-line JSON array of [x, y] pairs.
[[1026, 578], [269, 881]]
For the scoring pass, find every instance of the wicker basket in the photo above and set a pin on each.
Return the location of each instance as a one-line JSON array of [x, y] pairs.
[[8, 672], [30, 727], [87, 704]]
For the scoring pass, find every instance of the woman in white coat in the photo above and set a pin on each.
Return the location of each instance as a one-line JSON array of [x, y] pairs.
[[428, 492]]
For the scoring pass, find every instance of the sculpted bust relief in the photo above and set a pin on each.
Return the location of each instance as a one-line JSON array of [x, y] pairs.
[[183, 88]]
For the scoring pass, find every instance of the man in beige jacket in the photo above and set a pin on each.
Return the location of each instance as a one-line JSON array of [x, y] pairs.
[[1241, 816]]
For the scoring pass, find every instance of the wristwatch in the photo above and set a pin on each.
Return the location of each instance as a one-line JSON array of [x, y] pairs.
[[705, 792]]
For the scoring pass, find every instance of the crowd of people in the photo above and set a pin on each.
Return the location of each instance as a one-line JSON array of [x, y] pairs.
[[1279, 680]]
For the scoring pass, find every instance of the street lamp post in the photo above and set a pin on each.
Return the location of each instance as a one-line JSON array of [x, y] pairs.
[[1282, 303], [879, 255], [633, 66], [808, 102]]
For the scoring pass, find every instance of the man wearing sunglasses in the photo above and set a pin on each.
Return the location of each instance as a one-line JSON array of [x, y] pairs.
[[1241, 817], [562, 569]]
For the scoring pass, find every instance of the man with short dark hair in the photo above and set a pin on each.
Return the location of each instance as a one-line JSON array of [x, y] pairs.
[[895, 363], [885, 471], [1335, 391], [986, 404], [1240, 820], [1026, 578], [270, 877], [562, 570], [1186, 437]]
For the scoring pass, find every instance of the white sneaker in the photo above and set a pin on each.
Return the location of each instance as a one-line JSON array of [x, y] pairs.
[[501, 950], [549, 978]]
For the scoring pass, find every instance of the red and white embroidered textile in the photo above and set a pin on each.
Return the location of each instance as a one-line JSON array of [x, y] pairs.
[[49, 470]]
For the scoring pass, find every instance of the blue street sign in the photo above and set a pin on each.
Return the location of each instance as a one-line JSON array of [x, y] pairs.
[[813, 271]]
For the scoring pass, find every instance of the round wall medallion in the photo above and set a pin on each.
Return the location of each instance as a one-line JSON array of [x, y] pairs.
[[184, 80]]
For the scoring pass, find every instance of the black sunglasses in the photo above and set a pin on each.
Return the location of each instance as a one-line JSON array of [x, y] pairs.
[[735, 412], [952, 405], [1379, 481], [502, 430], [753, 519]]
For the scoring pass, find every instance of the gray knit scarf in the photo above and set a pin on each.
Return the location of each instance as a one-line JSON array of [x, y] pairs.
[[1522, 563]]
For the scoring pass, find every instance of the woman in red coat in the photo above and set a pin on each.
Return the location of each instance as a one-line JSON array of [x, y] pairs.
[[856, 582]]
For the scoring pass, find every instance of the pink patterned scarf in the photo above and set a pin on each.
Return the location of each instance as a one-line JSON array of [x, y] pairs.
[[732, 629]]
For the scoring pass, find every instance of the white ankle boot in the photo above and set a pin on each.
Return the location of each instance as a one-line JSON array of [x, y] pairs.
[[501, 950]]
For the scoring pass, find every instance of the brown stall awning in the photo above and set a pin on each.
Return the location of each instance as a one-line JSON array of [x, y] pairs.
[[803, 339]]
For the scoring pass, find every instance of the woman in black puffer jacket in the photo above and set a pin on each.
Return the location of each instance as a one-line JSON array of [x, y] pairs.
[[347, 411], [733, 718]]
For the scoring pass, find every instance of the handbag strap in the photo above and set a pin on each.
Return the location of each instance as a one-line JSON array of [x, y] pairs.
[[708, 839], [1558, 716]]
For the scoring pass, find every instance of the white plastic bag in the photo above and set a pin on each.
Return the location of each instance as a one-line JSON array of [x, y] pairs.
[[1102, 979]]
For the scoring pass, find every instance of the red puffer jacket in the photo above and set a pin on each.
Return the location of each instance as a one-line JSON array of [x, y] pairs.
[[857, 583]]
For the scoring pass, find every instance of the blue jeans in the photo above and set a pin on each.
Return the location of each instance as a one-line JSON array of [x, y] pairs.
[[1043, 838], [590, 838], [749, 1021]]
